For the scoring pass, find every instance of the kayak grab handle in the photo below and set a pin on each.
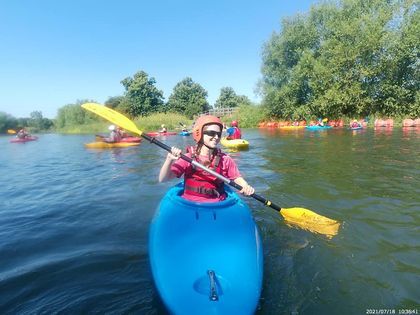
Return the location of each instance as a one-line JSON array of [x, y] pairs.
[[213, 290]]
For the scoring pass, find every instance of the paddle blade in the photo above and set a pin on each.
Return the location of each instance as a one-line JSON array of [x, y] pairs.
[[311, 221], [11, 131], [113, 116]]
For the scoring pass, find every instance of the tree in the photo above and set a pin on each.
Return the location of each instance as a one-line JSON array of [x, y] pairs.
[[114, 101], [7, 122], [348, 58], [74, 114], [227, 98], [38, 122], [142, 95], [243, 100], [188, 98]]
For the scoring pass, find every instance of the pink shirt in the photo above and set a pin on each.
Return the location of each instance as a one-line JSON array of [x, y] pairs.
[[228, 170]]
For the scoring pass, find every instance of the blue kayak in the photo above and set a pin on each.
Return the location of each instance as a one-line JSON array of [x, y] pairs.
[[206, 258], [185, 133], [356, 128], [318, 127]]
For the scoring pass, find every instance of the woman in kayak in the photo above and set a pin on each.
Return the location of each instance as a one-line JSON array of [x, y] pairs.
[[355, 124], [163, 129], [234, 132], [22, 134], [199, 185], [114, 136], [121, 132]]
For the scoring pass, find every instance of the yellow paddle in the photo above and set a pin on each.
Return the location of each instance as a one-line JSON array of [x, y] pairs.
[[300, 217], [11, 131]]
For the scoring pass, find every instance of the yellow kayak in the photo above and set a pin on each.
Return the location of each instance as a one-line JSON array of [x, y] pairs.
[[106, 145], [238, 144], [292, 127]]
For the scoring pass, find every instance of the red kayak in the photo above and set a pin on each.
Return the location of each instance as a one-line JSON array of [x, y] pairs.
[[125, 139], [130, 139], [156, 134], [23, 140]]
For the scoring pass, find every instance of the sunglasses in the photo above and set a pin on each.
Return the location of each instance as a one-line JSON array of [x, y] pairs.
[[212, 133]]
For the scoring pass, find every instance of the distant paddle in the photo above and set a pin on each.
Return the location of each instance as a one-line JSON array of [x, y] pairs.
[[299, 217], [99, 137]]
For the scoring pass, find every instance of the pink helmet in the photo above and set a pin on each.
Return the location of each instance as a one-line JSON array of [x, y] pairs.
[[234, 123], [197, 130]]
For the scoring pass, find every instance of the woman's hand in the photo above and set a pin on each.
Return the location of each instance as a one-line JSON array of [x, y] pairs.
[[174, 154], [247, 190]]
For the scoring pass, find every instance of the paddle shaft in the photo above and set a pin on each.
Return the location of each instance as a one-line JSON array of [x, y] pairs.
[[230, 182]]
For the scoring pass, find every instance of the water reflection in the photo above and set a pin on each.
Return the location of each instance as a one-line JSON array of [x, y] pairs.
[[85, 215], [383, 131], [411, 131]]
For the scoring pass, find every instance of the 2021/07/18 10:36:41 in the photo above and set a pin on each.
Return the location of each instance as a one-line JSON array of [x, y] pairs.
[[373, 311]]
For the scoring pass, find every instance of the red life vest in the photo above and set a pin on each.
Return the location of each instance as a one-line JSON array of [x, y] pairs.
[[236, 134], [198, 182]]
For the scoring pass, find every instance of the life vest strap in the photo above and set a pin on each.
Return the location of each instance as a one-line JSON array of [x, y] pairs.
[[200, 191]]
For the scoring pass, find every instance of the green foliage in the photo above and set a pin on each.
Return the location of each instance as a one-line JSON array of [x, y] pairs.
[[119, 103], [247, 115], [143, 98], [91, 127], [73, 114], [37, 122], [188, 98], [346, 58], [228, 99], [7, 122], [114, 101], [171, 120]]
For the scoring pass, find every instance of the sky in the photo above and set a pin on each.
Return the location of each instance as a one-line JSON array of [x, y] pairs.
[[53, 53]]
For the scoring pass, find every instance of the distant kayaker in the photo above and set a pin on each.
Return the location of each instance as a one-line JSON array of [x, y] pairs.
[[199, 185], [320, 122], [163, 129], [355, 124], [22, 134], [234, 132], [121, 132], [114, 136]]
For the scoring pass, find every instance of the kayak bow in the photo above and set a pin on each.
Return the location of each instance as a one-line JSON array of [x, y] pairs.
[[206, 258], [238, 144]]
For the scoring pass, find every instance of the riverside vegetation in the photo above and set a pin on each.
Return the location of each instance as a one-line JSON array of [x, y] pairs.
[[342, 59]]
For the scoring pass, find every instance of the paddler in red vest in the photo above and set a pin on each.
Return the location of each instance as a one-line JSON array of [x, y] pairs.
[[199, 185], [234, 132]]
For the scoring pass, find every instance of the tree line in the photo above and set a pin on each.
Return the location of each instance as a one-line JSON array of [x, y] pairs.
[[345, 58], [142, 98], [35, 122]]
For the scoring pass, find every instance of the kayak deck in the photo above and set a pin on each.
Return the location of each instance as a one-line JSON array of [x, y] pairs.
[[23, 140], [107, 145], [206, 258], [239, 144], [156, 134], [318, 127]]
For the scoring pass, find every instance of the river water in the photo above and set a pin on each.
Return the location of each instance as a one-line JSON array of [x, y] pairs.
[[74, 222]]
